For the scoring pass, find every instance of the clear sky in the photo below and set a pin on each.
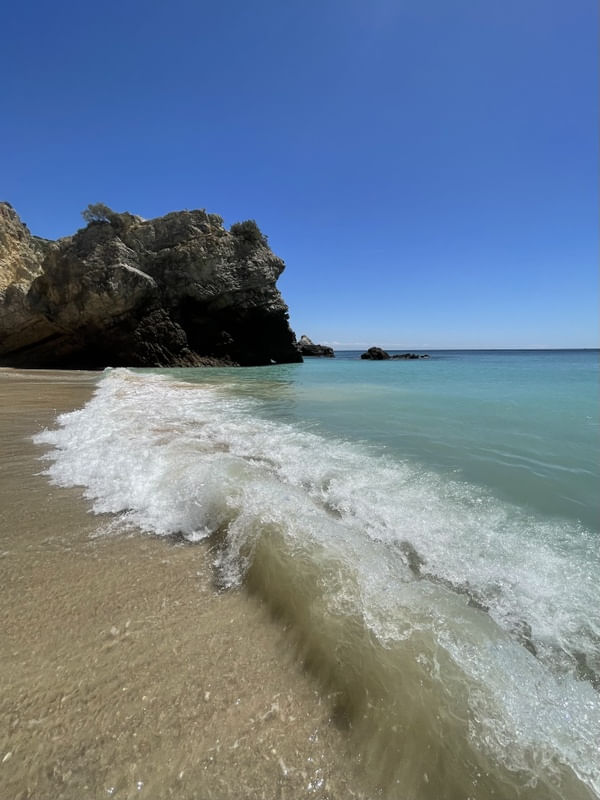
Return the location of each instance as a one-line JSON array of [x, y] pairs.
[[426, 168]]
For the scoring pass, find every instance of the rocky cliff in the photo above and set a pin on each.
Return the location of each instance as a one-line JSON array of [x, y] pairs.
[[179, 290]]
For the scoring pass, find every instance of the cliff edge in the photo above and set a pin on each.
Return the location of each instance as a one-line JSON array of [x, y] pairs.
[[179, 290]]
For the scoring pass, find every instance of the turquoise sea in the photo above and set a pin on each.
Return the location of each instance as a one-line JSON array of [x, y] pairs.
[[429, 531]]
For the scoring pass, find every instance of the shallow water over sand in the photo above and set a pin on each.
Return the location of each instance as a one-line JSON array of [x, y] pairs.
[[124, 672]]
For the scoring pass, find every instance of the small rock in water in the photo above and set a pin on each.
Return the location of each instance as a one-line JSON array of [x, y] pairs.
[[308, 348], [375, 354], [378, 354]]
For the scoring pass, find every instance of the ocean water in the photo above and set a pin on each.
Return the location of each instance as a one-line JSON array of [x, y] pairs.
[[429, 532]]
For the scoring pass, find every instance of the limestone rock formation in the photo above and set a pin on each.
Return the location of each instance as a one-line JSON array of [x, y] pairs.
[[308, 348], [179, 290]]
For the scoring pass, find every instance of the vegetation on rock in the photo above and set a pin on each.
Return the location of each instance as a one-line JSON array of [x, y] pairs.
[[98, 212], [249, 232]]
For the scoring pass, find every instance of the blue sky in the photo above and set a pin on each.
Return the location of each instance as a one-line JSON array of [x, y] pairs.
[[427, 169]]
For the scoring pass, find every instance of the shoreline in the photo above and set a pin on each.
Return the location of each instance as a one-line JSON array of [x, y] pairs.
[[125, 672]]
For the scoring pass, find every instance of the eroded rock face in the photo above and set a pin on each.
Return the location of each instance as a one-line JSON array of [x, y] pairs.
[[308, 348], [178, 290]]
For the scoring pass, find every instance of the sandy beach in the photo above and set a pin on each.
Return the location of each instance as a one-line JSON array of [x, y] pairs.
[[125, 672]]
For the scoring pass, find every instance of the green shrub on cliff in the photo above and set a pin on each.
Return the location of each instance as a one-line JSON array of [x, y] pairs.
[[98, 212], [249, 233]]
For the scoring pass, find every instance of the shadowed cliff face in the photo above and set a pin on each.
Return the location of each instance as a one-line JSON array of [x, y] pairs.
[[178, 290]]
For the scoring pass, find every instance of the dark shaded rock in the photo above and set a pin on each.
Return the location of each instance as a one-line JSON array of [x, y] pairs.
[[410, 356], [308, 348], [179, 290], [375, 354]]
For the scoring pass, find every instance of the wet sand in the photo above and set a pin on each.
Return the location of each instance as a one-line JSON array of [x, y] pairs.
[[125, 673]]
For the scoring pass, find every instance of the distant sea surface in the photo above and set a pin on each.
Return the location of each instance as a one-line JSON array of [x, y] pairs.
[[429, 531]]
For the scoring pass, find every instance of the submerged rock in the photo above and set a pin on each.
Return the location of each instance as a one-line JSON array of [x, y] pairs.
[[179, 290], [308, 348], [410, 356]]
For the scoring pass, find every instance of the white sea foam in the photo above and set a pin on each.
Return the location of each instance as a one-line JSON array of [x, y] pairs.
[[512, 600]]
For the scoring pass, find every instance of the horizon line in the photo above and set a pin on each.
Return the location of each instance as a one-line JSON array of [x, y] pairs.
[[346, 348]]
